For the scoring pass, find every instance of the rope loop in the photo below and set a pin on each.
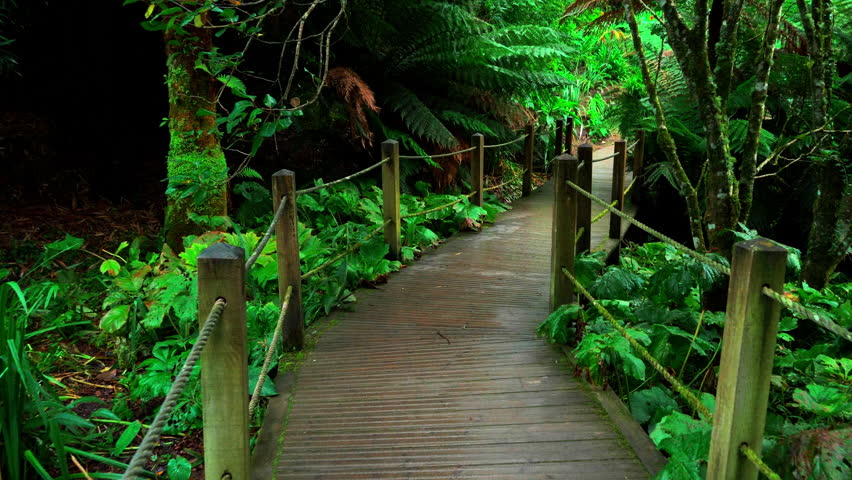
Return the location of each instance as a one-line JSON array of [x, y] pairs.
[[677, 386], [276, 336], [152, 436], [761, 466], [349, 177], [263, 241], [805, 312], [439, 207], [665, 239], [510, 142]]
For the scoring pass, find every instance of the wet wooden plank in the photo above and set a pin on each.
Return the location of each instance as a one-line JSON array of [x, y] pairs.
[[438, 374]]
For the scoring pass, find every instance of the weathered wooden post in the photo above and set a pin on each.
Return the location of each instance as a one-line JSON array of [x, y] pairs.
[[618, 171], [584, 205], [569, 134], [564, 230], [390, 195], [529, 153], [224, 363], [748, 350], [557, 150], [477, 168], [289, 266], [638, 161]]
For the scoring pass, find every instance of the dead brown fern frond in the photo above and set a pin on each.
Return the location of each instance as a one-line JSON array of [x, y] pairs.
[[358, 98]]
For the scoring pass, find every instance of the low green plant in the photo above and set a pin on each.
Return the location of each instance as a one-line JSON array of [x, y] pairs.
[[655, 294]]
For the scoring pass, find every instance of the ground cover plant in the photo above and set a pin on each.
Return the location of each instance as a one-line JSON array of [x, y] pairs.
[[656, 294], [143, 301]]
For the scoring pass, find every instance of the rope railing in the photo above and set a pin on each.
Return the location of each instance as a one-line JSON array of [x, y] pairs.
[[807, 313], [152, 436], [340, 180], [263, 241], [510, 142], [276, 336], [664, 238], [437, 155], [679, 387], [596, 160], [515, 179], [439, 207], [632, 145], [346, 252], [754, 458]]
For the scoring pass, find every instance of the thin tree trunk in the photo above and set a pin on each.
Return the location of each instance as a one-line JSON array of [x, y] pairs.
[[197, 169], [829, 239], [664, 138], [725, 49], [722, 200], [748, 167]]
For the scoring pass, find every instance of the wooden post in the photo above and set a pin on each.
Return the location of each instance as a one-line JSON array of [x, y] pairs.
[[224, 363], [477, 168], [557, 149], [390, 195], [584, 205], [638, 161], [748, 350], [564, 230], [529, 152], [569, 134], [289, 266]]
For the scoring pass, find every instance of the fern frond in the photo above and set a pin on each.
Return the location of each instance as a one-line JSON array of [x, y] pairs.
[[419, 118]]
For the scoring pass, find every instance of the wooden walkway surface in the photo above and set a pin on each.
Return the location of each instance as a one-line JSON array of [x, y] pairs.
[[439, 374]]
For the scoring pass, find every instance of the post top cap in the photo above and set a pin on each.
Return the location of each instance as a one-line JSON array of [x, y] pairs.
[[222, 251]]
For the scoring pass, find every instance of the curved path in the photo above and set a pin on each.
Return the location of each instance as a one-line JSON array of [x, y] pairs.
[[439, 374]]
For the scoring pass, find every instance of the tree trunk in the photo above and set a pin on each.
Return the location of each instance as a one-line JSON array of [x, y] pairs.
[[197, 171], [830, 238], [664, 138], [748, 167], [691, 50]]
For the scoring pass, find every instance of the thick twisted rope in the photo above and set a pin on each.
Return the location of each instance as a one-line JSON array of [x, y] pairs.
[[507, 143], [755, 459], [439, 155], [495, 187], [805, 312], [632, 145], [340, 180], [152, 436], [665, 239], [279, 327], [439, 207], [680, 388], [596, 160], [263, 241], [349, 250]]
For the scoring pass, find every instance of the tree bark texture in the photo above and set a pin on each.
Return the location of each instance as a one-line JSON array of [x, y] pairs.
[[197, 171], [748, 165], [830, 237], [691, 50], [664, 138]]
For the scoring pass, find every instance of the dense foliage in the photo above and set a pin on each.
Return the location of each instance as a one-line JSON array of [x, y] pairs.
[[655, 293]]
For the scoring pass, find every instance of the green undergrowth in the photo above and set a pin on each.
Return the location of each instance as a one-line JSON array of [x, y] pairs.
[[655, 293], [138, 306]]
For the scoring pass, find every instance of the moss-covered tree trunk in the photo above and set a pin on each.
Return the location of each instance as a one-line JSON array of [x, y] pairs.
[[748, 167], [829, 239], [664, 138], [691, 49], [197, 170]]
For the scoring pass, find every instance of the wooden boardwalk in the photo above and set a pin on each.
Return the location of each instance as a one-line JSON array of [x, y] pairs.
[[439, 374]]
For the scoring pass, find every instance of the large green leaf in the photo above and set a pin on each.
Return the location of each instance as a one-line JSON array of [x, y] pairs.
[[115, 319]]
